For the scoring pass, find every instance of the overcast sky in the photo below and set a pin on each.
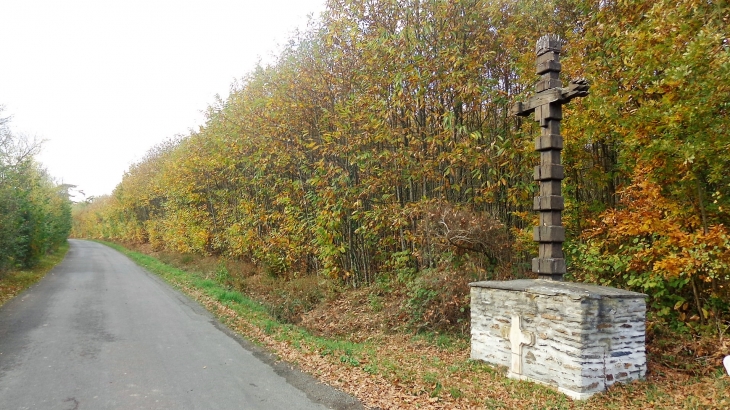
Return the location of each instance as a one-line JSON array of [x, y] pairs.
[[103, 81]]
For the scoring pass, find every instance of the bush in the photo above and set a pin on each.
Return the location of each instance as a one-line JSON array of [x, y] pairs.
[[438, 299], [35, 212], [288, 300], [447, 229], [652, 245]]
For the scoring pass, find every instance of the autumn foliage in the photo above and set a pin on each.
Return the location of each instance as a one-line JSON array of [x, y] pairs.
[[380, 142]]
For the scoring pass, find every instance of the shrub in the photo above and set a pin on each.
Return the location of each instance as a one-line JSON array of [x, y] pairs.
[[651, 244], [438, 299], [447, 229]]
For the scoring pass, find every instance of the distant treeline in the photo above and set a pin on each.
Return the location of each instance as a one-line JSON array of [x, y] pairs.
[[35, 212], [380, 141]]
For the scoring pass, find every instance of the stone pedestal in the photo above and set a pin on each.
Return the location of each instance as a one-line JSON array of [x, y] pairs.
[[576, 337]]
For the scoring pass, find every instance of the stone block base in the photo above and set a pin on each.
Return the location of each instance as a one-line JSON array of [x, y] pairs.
[[576, 337]]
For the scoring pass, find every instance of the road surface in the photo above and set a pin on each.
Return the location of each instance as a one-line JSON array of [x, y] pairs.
[[98, 332]]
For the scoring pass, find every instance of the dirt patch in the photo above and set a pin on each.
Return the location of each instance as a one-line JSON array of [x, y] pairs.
[[358, 315]]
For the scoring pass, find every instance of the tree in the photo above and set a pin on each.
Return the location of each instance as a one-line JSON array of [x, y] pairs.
[[35, 213]]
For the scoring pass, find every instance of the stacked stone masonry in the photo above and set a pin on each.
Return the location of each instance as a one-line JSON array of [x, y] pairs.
[[586, 337]]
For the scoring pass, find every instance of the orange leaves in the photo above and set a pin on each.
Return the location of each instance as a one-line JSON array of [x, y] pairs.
[[647, 212], [675, 243], [658, 244]]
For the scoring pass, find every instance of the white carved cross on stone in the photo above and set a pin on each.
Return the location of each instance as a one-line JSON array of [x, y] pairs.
[[518, 338]]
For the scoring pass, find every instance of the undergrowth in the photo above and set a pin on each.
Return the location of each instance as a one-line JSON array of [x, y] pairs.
[[392, 366]]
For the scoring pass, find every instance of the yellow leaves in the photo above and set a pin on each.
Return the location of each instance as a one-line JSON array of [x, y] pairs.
[[673, 266], [319, 156]]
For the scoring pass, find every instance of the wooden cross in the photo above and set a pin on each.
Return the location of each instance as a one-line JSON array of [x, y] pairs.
[[547, 104], [518, 338]]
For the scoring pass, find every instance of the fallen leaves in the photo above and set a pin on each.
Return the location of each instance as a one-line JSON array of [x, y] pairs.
[[387, 368]]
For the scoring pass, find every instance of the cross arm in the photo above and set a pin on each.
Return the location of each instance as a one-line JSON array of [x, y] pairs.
[[576, 88], [523, 109]]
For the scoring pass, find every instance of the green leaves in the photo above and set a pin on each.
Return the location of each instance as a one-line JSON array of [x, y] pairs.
[[35, 212]]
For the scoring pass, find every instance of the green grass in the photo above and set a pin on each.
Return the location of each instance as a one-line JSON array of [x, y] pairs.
[[443, 341], [226, 296]]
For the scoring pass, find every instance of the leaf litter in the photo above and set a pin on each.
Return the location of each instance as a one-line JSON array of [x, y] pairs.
[[394, 370]]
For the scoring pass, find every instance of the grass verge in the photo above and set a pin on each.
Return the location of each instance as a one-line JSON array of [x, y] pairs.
[[14, 282], [431, 371]]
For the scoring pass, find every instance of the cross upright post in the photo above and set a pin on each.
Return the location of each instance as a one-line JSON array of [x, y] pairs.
[[547, 105], [593, 361]]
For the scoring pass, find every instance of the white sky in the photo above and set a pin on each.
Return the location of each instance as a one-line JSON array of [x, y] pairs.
[[105, 80]]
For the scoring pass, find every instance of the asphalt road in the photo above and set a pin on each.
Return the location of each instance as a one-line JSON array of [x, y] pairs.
[[98, 332]]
